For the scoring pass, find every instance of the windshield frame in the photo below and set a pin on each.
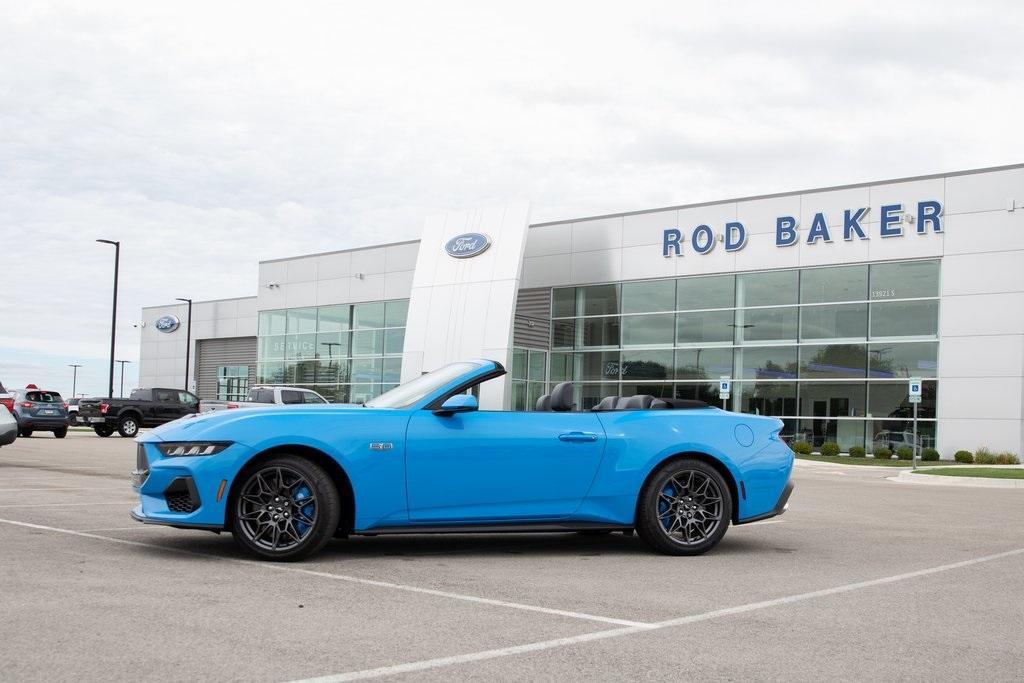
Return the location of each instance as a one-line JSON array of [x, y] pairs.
[[436, 384]]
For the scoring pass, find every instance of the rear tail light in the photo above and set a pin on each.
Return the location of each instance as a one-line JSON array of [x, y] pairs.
[[103, 408], [8, 403], [27, 404], [231, 406]]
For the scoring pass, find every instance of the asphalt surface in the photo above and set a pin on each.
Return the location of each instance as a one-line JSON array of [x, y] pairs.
[[862, 578]]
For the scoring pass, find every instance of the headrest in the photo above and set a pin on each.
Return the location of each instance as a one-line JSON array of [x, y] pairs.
[[638, 402], [659, 404], [561, 397], [607, 403], [544, 403]]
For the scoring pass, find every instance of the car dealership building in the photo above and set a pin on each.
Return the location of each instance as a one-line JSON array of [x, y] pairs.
[[818, 305]]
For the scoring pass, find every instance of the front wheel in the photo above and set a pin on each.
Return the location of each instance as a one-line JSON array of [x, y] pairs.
[[128, 427], [286, 509], [684, 508]]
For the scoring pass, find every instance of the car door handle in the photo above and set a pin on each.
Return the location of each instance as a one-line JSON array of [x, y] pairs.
[[578, 436]]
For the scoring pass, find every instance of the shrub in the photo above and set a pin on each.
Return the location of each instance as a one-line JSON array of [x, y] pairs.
[[983, 456], [830, 448], [1007, 458], [929, 454], [857, 452], [883, 453], [905, 453], [801, 447], [964, 456]]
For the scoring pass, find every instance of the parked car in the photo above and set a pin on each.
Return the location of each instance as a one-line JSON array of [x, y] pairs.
[[7, 398], [422, 458], [895, 440], [40, 411], [8, 428], [72, 404], [144, 408], [265, 396]]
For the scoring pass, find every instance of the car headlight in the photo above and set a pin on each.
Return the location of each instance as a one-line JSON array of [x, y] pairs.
[[173, 449]]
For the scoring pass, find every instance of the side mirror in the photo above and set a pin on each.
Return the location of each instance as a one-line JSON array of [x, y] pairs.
[[459, 403]]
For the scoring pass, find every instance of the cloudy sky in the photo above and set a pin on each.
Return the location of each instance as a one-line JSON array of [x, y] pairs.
[[206, 136]]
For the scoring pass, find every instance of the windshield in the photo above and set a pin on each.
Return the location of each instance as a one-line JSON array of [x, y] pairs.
[[415, 390]]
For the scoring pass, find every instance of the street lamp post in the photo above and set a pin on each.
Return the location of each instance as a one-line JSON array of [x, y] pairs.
[[188, 338], [122, 362], [74, 378], [113, 313]]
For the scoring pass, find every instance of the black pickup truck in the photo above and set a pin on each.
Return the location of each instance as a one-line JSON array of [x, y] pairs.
[[144, 408]]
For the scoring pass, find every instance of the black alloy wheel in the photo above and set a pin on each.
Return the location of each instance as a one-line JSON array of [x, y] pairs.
[[286, 509], [128, 427], [685, 508]]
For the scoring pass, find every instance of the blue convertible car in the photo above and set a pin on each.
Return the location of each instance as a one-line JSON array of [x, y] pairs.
[[423, 458]]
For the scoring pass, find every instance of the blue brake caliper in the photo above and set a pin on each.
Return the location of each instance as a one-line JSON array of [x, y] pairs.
[[669, 492], [302, 493]]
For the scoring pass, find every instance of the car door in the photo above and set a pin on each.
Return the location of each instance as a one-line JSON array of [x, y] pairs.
[[164, 407], [500, 466], [188, 403]]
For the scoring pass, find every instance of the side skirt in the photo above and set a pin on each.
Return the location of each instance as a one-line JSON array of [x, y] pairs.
[[493, 528]]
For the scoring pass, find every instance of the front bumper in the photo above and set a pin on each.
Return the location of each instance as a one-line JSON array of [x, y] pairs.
[[186, 491]]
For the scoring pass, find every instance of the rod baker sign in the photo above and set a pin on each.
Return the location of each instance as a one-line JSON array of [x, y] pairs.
[[788, 231]]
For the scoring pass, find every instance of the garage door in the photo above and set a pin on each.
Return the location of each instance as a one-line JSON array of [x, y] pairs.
[[230, 363]]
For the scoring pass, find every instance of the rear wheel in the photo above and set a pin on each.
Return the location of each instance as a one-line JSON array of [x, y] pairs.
[[684, 508], [286, 509], [26, 433], [128, 426], [60, 433], [103, 431]]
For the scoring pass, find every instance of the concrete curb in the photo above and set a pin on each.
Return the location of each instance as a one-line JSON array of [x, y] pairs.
[[911, 477]]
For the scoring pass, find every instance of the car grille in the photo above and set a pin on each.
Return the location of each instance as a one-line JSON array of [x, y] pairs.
[[179, 502], [181, 495]]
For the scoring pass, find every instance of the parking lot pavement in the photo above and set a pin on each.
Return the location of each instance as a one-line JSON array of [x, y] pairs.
[[862, 578]]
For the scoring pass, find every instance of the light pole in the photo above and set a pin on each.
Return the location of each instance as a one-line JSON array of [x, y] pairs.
[[113, 313], [122, 362], [74, 378], [188, 338]]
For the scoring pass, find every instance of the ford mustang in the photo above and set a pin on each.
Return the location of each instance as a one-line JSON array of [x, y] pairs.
[[423, 458]]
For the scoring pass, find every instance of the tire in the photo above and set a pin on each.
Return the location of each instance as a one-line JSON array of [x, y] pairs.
[[103, 431], [26, 433], [266, 520], [60, 433], [684, 508], [128, 426]]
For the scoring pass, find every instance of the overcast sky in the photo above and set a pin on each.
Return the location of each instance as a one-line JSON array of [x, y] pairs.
[[207, 136]]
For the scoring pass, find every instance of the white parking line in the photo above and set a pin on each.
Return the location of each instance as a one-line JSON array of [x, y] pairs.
[[69, 488], [341, 577], [614, 633], [126, 503]]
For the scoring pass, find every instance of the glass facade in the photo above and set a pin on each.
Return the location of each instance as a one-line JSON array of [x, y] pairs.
[[348, 353], [232, 382], [529, 379], [827, 349]]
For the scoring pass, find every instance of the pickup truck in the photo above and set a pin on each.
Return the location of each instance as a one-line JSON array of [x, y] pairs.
[[265, 396], [144, 408]]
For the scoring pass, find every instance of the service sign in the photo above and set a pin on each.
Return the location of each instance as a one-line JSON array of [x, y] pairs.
[[167, 324], [467, 245], [923, 218]]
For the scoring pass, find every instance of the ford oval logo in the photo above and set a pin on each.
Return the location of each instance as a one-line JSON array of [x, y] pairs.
[[467, 245], [168, 323]]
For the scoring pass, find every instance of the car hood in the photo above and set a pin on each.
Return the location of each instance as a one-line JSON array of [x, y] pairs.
[[232, 425]]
